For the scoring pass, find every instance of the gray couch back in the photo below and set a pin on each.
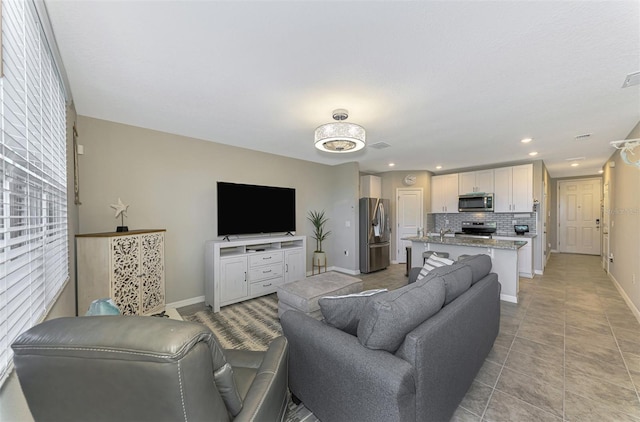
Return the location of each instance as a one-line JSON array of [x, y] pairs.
[[448, 349]]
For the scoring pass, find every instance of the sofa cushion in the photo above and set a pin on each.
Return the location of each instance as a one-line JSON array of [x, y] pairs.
[[480, 265], [343, 312], [456, 278], [388, 317], [434, 261]]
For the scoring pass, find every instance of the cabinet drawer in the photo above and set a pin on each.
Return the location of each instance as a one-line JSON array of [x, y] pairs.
[[265, 272], [265, 287], [265, 258]]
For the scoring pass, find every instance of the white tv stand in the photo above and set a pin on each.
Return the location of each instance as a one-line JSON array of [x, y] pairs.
[[242, 269]]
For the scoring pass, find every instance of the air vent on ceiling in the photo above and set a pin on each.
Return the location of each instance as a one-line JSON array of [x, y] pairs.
[[583, 137], [631, 79], [379, 145], [575, 159]]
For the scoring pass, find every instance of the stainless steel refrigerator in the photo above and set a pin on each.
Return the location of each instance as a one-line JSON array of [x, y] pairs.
[[375, 232]]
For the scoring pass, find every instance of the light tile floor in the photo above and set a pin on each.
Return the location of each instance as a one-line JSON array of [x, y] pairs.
[[569, 350]]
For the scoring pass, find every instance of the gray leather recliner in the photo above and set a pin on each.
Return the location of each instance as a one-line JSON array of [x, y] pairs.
[[129, 368]]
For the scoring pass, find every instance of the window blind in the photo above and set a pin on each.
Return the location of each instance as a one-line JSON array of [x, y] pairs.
[[33, 208]]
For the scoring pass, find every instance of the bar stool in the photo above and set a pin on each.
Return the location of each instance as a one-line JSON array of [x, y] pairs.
[[426, 255]]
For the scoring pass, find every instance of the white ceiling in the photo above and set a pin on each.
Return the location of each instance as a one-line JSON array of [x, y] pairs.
[[456, 83]]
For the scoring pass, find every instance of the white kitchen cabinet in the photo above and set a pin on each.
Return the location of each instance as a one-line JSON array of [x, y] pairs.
[[127, 267], [444, 194], [513, 189], [242, 269], [525, 255], [475, 181]]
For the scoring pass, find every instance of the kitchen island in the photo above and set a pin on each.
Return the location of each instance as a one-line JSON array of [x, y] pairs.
[[503, 253]]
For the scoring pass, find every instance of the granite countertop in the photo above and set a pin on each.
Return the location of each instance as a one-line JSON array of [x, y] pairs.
[[513, 234], [465, 241]]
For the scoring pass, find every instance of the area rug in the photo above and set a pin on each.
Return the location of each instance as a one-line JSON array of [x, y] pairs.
[[248, 325]]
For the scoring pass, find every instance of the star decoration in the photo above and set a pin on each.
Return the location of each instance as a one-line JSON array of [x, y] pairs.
[[120, 208]]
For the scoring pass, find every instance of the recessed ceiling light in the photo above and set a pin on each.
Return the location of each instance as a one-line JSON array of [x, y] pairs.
[[533, 153], [600, 171], [392, 164], [438, 167], [526, 140], [575, 164]]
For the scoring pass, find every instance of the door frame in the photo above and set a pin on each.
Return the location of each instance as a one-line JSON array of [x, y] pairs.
[[559, 214], [398, 235]]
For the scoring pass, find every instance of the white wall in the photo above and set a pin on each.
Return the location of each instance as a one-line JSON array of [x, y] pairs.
[[169, 182], [624, 233]]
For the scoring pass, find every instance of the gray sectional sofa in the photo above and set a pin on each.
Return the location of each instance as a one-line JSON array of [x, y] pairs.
[[413, 356]]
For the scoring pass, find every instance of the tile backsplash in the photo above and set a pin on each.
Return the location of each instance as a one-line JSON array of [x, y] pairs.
[[504, 220]]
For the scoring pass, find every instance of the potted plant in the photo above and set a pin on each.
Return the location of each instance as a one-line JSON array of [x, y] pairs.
[[318, 219]]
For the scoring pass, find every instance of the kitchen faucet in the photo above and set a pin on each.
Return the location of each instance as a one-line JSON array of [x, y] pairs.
[[443, 232]]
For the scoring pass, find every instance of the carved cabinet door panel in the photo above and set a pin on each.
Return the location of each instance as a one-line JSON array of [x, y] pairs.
[[137, 275], [125, 282], [152, 272]]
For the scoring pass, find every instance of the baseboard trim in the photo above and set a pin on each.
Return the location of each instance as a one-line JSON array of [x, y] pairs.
[[508, 298], [186, 302], [626, 298], [334, 268]]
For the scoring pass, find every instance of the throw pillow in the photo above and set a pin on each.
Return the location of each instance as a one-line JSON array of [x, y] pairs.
[[433, 262], [388, 318], [343, 312]]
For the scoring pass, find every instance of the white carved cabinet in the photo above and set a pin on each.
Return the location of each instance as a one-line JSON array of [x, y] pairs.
[[127, 267]]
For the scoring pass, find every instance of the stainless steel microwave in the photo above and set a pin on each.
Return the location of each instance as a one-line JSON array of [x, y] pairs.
[[475, 202]]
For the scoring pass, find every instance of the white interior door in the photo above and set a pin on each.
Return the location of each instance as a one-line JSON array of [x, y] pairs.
[[409, 218], [579, 216]]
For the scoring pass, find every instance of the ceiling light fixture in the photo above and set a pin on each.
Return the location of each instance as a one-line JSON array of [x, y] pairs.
[[533, 153], [340, 137], [631, 79], [392, 164], [526, 140], [438, 167], [575, 164], [626, 148]]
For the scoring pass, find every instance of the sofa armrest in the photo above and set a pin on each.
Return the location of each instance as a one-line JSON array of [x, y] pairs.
[[339, 379], [267, 397], [413, 274]]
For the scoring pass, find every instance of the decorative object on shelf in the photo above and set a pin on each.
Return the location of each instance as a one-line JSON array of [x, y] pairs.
[[121, 211], [410, 179], [340, 137], [626, 147], [318, 219]]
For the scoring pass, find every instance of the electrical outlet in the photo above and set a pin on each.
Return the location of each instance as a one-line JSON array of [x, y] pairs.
[[514, 221], [446, 222], [610, 257]]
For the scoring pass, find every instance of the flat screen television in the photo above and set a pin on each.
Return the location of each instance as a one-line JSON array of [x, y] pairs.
[[253, 209]]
